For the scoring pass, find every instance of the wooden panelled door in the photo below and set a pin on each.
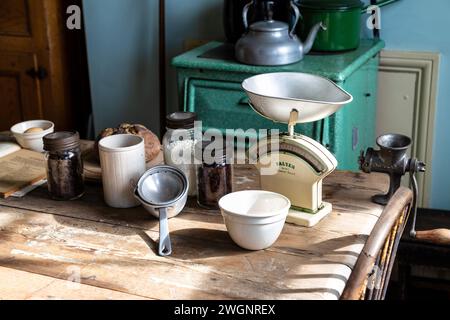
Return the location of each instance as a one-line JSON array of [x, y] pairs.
[[19, 93], [32, 82]]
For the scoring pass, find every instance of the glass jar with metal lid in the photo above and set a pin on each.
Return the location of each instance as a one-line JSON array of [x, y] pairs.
[[178, 145], [64, 165], [215, 174]]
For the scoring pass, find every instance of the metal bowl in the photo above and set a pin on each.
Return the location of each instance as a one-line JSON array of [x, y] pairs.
[[275, 95], [162, 187], [162, 190]]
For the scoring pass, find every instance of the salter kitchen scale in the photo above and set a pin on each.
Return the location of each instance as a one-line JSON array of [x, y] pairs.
[[289, 163]]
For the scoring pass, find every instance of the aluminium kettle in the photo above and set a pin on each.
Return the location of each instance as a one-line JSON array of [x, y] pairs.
[[232, 15], [270, 42]]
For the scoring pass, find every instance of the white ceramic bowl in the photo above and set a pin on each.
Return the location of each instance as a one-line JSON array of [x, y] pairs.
[[32, 140], [254, 218]]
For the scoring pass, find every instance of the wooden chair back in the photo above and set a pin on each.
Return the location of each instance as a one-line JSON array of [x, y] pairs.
[[370, 277]]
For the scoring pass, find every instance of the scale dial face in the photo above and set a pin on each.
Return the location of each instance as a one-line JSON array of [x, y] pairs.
[[308, 150], [316, 163], [294, 166], [292, 177]]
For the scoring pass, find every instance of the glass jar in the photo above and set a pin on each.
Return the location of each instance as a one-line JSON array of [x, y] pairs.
[[214, 175], [178, 145], [64, 165]]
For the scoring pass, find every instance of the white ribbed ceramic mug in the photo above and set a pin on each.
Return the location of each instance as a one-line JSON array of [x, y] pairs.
[[122, 158]]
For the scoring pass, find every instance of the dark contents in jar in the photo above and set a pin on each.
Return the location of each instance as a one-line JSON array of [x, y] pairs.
[[213, 182], [64, 165], [65, 175]]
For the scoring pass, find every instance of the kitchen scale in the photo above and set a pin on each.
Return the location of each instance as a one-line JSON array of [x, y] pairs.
[[292, 164]]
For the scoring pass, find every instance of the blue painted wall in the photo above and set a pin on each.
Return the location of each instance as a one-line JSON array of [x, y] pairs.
[[122, 44], [418, 25], [189, 20]]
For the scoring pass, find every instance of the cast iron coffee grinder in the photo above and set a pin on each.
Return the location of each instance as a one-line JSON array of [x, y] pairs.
[[393, 160]]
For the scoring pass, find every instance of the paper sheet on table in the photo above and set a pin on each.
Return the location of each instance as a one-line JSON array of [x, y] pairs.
[[8, 148]]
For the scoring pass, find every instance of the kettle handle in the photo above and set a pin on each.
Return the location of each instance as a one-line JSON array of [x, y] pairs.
[[245, 14], [297, 18]]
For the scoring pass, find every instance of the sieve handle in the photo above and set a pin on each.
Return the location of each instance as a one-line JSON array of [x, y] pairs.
[[165, 247]]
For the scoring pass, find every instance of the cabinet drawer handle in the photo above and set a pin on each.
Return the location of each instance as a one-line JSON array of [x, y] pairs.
[[244, 101]]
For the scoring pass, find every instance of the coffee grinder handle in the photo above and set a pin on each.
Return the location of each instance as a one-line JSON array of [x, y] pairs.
[[437, 236], [413, 183]]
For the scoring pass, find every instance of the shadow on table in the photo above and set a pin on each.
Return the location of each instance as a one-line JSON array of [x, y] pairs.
[[203, 243], [332, 246]]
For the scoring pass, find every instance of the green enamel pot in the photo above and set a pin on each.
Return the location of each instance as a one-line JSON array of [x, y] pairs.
[[342, 19]]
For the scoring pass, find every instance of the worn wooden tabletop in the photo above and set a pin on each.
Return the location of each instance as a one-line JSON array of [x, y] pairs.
[[86, 250]]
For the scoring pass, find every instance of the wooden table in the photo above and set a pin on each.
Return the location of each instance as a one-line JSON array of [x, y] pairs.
[[46, 247]]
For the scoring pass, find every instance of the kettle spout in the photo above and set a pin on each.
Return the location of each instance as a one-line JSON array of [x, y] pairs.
[[312, 36]]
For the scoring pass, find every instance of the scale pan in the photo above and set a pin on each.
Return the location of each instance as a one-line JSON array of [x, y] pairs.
[[275, 95]]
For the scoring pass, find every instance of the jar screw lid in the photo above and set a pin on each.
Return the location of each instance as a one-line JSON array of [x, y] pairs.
[[61, 140], [181, 120]]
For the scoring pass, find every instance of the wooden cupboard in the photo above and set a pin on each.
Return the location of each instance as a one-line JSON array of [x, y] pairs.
[[39, 77]]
